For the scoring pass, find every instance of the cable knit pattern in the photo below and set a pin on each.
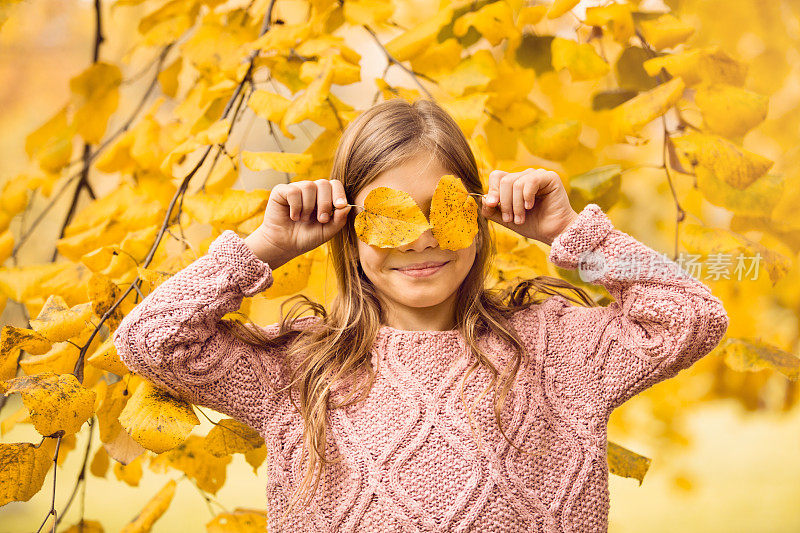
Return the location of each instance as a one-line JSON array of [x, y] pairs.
[[410, 461]]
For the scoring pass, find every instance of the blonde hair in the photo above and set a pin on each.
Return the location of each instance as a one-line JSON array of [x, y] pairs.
[[381, 137]]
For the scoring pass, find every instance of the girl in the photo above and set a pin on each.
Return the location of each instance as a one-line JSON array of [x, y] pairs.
[[369, 401]]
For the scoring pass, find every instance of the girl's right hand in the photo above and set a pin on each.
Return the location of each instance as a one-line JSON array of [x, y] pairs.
[[301, 216]]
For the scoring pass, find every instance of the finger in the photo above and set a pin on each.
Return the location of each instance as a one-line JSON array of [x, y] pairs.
[[506, 196], [309, 191], [339, 197], [493, 195], [294, 197], [324, 200], [529, 194], [518, 202]]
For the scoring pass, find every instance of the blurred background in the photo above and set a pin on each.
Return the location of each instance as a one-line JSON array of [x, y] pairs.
[[724, 441]]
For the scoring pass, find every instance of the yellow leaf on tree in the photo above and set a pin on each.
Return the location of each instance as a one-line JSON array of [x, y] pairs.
[[56, 402], [560, 7], [305, 105], [51, 143], [229, 436], [454, 214], [58, 322], [106, 358], [13, 338], [96, 95], [151, 512], [86, 526], [729, 162], [665, 32], [290, 277], [23, 467], [551, 138], [156, 420], [625, 463], [240, 520], [632, 115], [709, 65], [390, 218], [231, 207], [196, 462], [280, 161], [616, 17], [730, 111], [745, 355], [373, 13], [494, 21], [130, 473], [268, 105], [417, 39], [580, 59]]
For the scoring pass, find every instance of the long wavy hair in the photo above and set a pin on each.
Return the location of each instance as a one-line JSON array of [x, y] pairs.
[[381, 137]]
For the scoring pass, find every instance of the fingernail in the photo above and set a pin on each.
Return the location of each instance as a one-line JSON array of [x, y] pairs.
[[340, 201], [518, 219], [506, 217], [324, 217]]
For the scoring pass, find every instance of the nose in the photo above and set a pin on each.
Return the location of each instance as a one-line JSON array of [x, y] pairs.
[[423, 242]]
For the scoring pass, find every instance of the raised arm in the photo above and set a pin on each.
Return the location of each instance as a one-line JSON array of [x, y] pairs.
[[172, 338], [661, 322]]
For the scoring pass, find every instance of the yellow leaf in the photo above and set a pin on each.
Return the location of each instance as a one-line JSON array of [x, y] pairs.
[[130, 473], [233, 207], [256, 457], [239, 521], [344, 73], [473, 73], [617, 17], [280, 37], [156, 420], [51, 143], [56, 402], [437, 59], [454, 214], [560, 7], [467, 110], [12, 338], [744, 355], [625, 463], [14, 198], [23, 467], [632, 115], [551, 138], [709, 65], [58, 322], [106, 358], [531, 15], [99, 465], [414, 41], [312, 98], [229, 436], [494, 21], [580, 59], [728, 162], [193, 459], [96, 96], [730, 111], [268, 105], [373, 13], [86, 526], [390, 218], [291, 277], [168, 78], [152, 511], [665, 32], [280, 161]]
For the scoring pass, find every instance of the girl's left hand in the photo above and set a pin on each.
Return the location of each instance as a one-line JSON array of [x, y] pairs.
[[533, 203]]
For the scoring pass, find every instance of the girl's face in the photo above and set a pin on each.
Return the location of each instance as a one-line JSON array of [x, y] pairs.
[[410, 301]]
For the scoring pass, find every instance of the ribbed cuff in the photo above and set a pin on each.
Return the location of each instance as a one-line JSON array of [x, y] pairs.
[[582, 235], [251, 273]]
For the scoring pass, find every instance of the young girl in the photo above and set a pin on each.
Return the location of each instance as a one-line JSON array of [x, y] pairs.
[[369, 400]]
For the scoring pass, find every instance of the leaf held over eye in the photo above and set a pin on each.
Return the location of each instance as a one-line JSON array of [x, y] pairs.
[[454, 214], [390, 218]]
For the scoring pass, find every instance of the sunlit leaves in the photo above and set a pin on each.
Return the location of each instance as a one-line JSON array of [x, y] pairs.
[[665, 31], [230, 436], [625, 463], [96, 96], [745, 355], [192, 458], [23, 467], [628, 118], [709, 65], [551, 138], [390, 218], [58, 322], [493, 21], [156, 420], [731, 111], [231, 207], [238, 521], [51, 143], [559, 7], [616, 17], [580, 59], [414, 41], [280, 161], [153, 510], [454, 214], [56, 402]]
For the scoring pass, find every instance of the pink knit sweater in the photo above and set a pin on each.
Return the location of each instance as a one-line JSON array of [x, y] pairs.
[[410, 460]]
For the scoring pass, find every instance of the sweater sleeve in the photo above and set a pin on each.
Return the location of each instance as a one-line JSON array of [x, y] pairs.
[[172, 338], [662, 320]]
